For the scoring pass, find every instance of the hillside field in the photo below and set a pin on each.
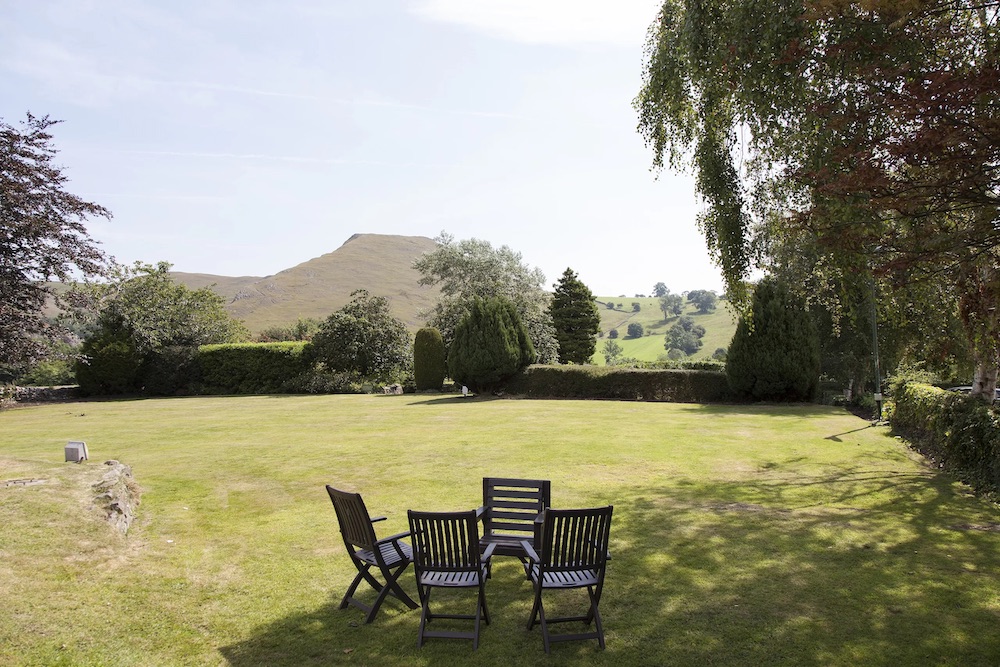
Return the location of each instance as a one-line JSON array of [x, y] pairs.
[[719, 327]]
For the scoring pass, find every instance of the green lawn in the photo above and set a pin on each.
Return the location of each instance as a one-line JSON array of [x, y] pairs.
[[742, 535]]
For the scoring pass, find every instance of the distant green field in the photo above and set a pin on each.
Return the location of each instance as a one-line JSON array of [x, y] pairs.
[[719, 327]]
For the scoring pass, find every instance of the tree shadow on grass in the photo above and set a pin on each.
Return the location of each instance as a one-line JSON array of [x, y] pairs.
[[851, 567], [329, 635], [745, 573]]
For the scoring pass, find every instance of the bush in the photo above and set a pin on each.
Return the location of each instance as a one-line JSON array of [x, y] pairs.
[[365, 339], [632, 384], [959, 432], [429, 363], [171, 371], [613, 333], [490, 345], [774, 354], [253, 368], [108, 365], [634, 330]]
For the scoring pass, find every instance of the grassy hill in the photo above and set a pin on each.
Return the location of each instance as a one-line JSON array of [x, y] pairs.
[[379, 263], [383, 265], [719, 327]]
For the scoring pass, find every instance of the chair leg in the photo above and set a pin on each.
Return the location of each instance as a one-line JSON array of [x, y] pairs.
[[425, 604], [534, 608], [392, 582], [595, 614], [545, 626], [351, 590], [475, 631]]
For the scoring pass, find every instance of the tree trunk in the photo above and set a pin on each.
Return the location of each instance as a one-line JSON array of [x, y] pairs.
[[985, 383]]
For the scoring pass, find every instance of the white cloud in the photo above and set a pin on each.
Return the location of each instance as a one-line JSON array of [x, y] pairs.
[[561, 22]]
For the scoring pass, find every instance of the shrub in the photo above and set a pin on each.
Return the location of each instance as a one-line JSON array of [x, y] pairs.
[[632, 384], [171, 371], [774, 354], [490, 345], [108, 365], [960, 432], [365, 339], [253, 368], [613, 333], [429, 363]]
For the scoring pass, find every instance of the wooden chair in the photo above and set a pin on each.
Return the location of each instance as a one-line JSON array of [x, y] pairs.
[[573, 554], [511, 513], [446, 555], [390, 555]]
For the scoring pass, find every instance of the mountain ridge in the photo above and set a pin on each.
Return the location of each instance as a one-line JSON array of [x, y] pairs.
[[379, 263]]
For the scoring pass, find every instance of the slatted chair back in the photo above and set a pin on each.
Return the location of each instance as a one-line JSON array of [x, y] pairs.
[[445, 541], [510, 506], [352, 515], [575, 539]]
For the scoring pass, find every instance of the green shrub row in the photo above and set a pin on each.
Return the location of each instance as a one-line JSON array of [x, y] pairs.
[[252, 368], [960, 433], [628, 384]]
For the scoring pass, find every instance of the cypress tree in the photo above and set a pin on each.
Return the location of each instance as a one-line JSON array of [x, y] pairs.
[[576, 319], [490, 345], [429, 364], [774, 354]]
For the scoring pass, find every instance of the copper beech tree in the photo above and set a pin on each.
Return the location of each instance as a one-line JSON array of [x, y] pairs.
[[870, 128], [43, 238]]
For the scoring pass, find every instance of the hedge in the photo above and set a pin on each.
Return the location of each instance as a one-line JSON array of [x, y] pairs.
[[960, 433], [252, 368], [629, 384]]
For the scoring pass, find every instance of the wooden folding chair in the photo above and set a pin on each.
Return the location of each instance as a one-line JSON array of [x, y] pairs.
[[446, 555], [390, 555], [573, 554], [511, 513]]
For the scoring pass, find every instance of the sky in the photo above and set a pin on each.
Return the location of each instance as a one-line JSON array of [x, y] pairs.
[[243, 137]]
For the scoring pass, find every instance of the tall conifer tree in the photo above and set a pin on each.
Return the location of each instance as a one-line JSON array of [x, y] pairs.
[[575, 318]]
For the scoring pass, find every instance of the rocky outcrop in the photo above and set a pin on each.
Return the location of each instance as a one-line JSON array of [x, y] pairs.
[[117, 495]]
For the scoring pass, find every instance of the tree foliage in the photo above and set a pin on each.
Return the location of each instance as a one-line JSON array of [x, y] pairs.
[[43, 238], [612, 352], [660, 289], [685, 335], [430, 366], [635, 330], [671, 305], [491, 344], [140, 313], [704, 300], [872, 127], [464, 270], [774, 354], [576, 319], [364, 340]]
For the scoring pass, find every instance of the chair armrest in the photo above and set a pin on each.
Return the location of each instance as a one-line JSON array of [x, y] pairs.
[[488, 553], [529, 551], [480, 511], [393, 538], [376, 519]]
